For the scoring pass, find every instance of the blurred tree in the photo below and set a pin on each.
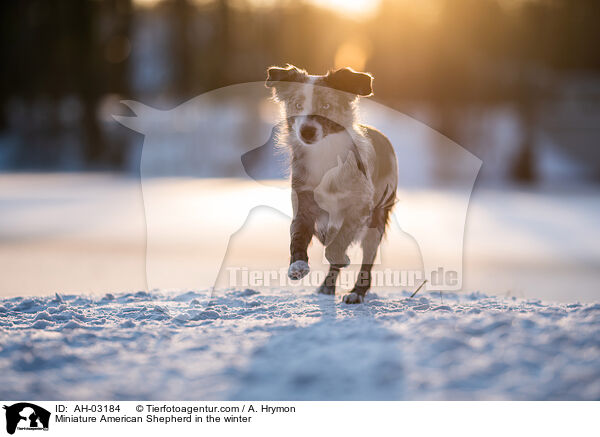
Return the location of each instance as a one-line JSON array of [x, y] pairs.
[[63, 60]]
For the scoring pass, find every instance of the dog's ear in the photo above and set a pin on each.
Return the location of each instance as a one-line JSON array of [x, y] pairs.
[[287, 74], [350, 81]]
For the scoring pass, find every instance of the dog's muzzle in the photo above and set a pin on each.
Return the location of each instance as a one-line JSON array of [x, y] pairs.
[[308, 133]]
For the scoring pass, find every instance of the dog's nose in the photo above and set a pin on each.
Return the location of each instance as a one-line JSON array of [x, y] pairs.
[[308, 133]]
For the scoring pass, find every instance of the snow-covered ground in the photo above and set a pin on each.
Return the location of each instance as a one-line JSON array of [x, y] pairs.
[[281, 344], [84, 235]]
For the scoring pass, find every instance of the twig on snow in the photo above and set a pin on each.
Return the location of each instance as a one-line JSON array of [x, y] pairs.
[[417, 290]]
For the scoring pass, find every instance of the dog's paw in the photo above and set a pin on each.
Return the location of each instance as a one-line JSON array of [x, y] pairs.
[[324, 289], [352, 298], [298, 270]]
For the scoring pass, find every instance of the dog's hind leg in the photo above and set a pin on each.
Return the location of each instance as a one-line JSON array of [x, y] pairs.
[[328, 285], [335, 252], [369, 243]]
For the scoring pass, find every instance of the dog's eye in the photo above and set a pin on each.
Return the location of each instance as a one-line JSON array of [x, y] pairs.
[[325, 106], [298, 105]]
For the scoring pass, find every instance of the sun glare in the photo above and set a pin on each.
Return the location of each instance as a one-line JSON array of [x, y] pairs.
[[358, 9], [351, 54], [146, 3]]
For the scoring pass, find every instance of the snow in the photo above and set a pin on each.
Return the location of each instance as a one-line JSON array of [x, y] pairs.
[[283, 344]]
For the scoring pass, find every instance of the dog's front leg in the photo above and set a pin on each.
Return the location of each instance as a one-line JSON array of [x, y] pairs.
[[335, 252], [301, 232]]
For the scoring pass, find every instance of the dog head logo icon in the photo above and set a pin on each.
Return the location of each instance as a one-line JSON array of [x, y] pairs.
[[26, 416]]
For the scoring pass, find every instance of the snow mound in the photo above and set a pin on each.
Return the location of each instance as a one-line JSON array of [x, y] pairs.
[[284, 345]]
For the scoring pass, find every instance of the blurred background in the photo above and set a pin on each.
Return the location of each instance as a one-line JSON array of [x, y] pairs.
[[515, 82]]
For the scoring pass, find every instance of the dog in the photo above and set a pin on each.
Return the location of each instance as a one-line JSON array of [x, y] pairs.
[[344, 175]]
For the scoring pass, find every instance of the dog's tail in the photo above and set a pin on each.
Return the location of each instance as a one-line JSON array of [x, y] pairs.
[[388, 199], [380, 216]]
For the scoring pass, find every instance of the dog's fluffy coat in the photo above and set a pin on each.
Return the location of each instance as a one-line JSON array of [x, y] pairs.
[[344, 175]]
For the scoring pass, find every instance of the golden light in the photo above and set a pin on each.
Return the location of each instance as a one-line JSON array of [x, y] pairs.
[[358, 9], [146, 3], [352, 54]]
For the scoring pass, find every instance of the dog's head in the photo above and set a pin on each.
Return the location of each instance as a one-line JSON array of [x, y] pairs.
[[316, 106]]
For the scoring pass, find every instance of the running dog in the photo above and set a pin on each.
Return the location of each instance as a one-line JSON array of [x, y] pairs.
[[344, 175]]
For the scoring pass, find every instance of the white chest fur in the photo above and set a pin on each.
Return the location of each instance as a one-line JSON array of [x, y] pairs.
[[322, 156]]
